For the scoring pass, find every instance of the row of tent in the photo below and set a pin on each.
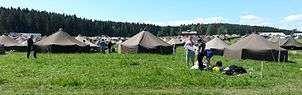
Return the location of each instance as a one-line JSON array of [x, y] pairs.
[[251, 47], [57, 42], [255, 47], [287, 43]]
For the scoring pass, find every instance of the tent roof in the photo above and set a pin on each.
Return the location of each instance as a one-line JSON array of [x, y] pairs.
[[175, 41], [292, 42], [206, 38], [81, 39], [276, 39], [255, 42], [60, 38], [145, 39], [8, 41], [216, 43]]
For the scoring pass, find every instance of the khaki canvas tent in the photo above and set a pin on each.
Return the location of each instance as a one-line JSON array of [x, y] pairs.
[[256, 47], [145, 42], [11, 44], [8, 41], [217, 46], [61, 42], [85, 40], [176, 41], [291, 43], [277, 40], [206, 38]]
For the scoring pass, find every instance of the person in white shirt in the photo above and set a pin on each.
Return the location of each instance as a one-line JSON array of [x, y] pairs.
[[119, 46], [190, 51]]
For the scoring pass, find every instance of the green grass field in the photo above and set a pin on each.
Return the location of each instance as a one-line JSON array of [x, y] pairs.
[[142, 74]]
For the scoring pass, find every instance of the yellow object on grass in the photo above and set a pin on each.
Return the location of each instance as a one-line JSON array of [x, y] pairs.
[[216, 69]]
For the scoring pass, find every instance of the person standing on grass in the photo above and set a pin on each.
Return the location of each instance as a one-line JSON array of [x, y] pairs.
[[31, 47], [209, 55], [119, 47], [110, 44], [102, 45], [201, 54], [190, 51]]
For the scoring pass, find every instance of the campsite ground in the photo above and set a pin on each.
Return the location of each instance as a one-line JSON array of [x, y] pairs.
[[142, 74]]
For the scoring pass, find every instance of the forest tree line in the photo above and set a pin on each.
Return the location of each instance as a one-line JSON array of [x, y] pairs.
[[32, 21]]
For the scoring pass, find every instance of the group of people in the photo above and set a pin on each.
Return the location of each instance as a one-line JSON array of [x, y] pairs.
[[103, 45], [199, 47]]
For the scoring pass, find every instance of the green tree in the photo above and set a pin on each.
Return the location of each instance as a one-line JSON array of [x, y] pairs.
[[222, 30], [211, 30]]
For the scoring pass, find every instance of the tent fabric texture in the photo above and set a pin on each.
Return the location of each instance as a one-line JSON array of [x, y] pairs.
[[145, 42], [85, 40], [217, 46], [291, 43], [206, 38], [176, 41], [61, 42], [8, 41], [256, 47], [11, 44], [277, 40]]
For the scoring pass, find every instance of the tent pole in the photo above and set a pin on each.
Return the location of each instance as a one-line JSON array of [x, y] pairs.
[[261, 69]]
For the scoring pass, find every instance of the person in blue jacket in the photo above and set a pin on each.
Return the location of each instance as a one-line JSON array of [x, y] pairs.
[[209, 55]]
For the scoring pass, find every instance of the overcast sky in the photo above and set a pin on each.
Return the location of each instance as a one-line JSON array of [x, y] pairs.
[[286, 14]]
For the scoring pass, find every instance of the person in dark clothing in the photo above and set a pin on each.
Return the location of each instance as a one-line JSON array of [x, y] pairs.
[[31, 47], [110, 44], [201, 54]]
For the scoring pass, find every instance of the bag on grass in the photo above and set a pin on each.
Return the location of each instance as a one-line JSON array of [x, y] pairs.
[[233, 70]]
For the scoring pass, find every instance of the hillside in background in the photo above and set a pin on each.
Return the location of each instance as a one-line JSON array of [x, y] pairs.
[[46, 23]]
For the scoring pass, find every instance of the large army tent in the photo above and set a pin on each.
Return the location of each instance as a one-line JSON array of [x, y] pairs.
[[145, 42], [291, 43], [217, 46], [61, 42], [11, 44], [8, 41], [256, 47]]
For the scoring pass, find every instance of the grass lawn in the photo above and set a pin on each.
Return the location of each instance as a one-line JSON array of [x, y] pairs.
[[142, 74]]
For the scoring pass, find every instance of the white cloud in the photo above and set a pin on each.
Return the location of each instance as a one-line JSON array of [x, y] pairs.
[[293, 18], [289, 22], [250, 17], [216, 19], [254, 20]]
